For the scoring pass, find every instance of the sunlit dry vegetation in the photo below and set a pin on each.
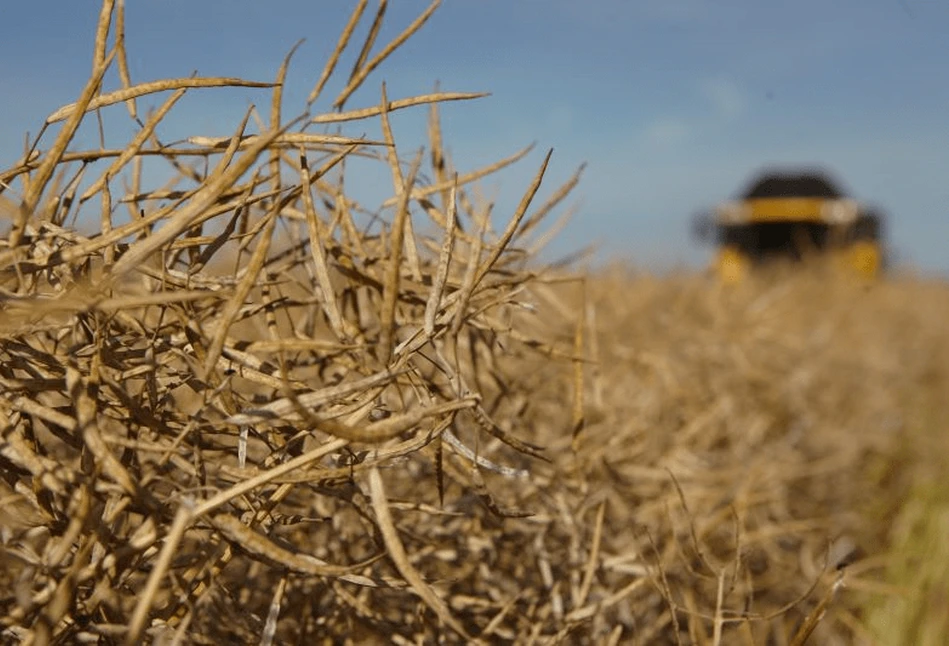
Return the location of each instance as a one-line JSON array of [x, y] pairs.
[[241, 408]]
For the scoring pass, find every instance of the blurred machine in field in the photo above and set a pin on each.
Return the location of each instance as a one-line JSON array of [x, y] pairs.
[[792, 216]]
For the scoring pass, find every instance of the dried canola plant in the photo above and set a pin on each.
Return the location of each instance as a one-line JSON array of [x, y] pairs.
[[245, 410], [207, 408]]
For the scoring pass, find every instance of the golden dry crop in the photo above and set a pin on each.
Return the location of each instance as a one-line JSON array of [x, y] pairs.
[[243, 410]]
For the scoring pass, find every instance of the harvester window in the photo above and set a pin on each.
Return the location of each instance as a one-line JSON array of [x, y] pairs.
[[793, 186]]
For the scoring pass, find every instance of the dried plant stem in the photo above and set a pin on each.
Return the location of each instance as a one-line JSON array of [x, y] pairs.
[[140, 615], [401, 560]]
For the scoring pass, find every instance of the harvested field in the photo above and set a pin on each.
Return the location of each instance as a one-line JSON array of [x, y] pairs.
[[243, 409]]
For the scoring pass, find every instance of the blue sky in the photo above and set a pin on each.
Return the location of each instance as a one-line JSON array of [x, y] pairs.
[[673, 104]]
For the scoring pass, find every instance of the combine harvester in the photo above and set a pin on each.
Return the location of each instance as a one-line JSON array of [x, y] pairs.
[[790, 217]]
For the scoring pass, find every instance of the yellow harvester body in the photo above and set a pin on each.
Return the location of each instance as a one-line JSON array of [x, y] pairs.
[[795, 217]]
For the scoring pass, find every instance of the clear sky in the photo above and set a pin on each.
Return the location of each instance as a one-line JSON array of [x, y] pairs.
[[674, 104]]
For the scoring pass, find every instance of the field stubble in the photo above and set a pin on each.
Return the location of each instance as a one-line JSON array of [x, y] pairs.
[[252, 411]]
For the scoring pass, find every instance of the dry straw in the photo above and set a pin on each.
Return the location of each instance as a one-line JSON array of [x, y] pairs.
[[238, 414]]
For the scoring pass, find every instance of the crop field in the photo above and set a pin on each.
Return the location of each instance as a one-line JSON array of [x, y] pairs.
[[241, 408]]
